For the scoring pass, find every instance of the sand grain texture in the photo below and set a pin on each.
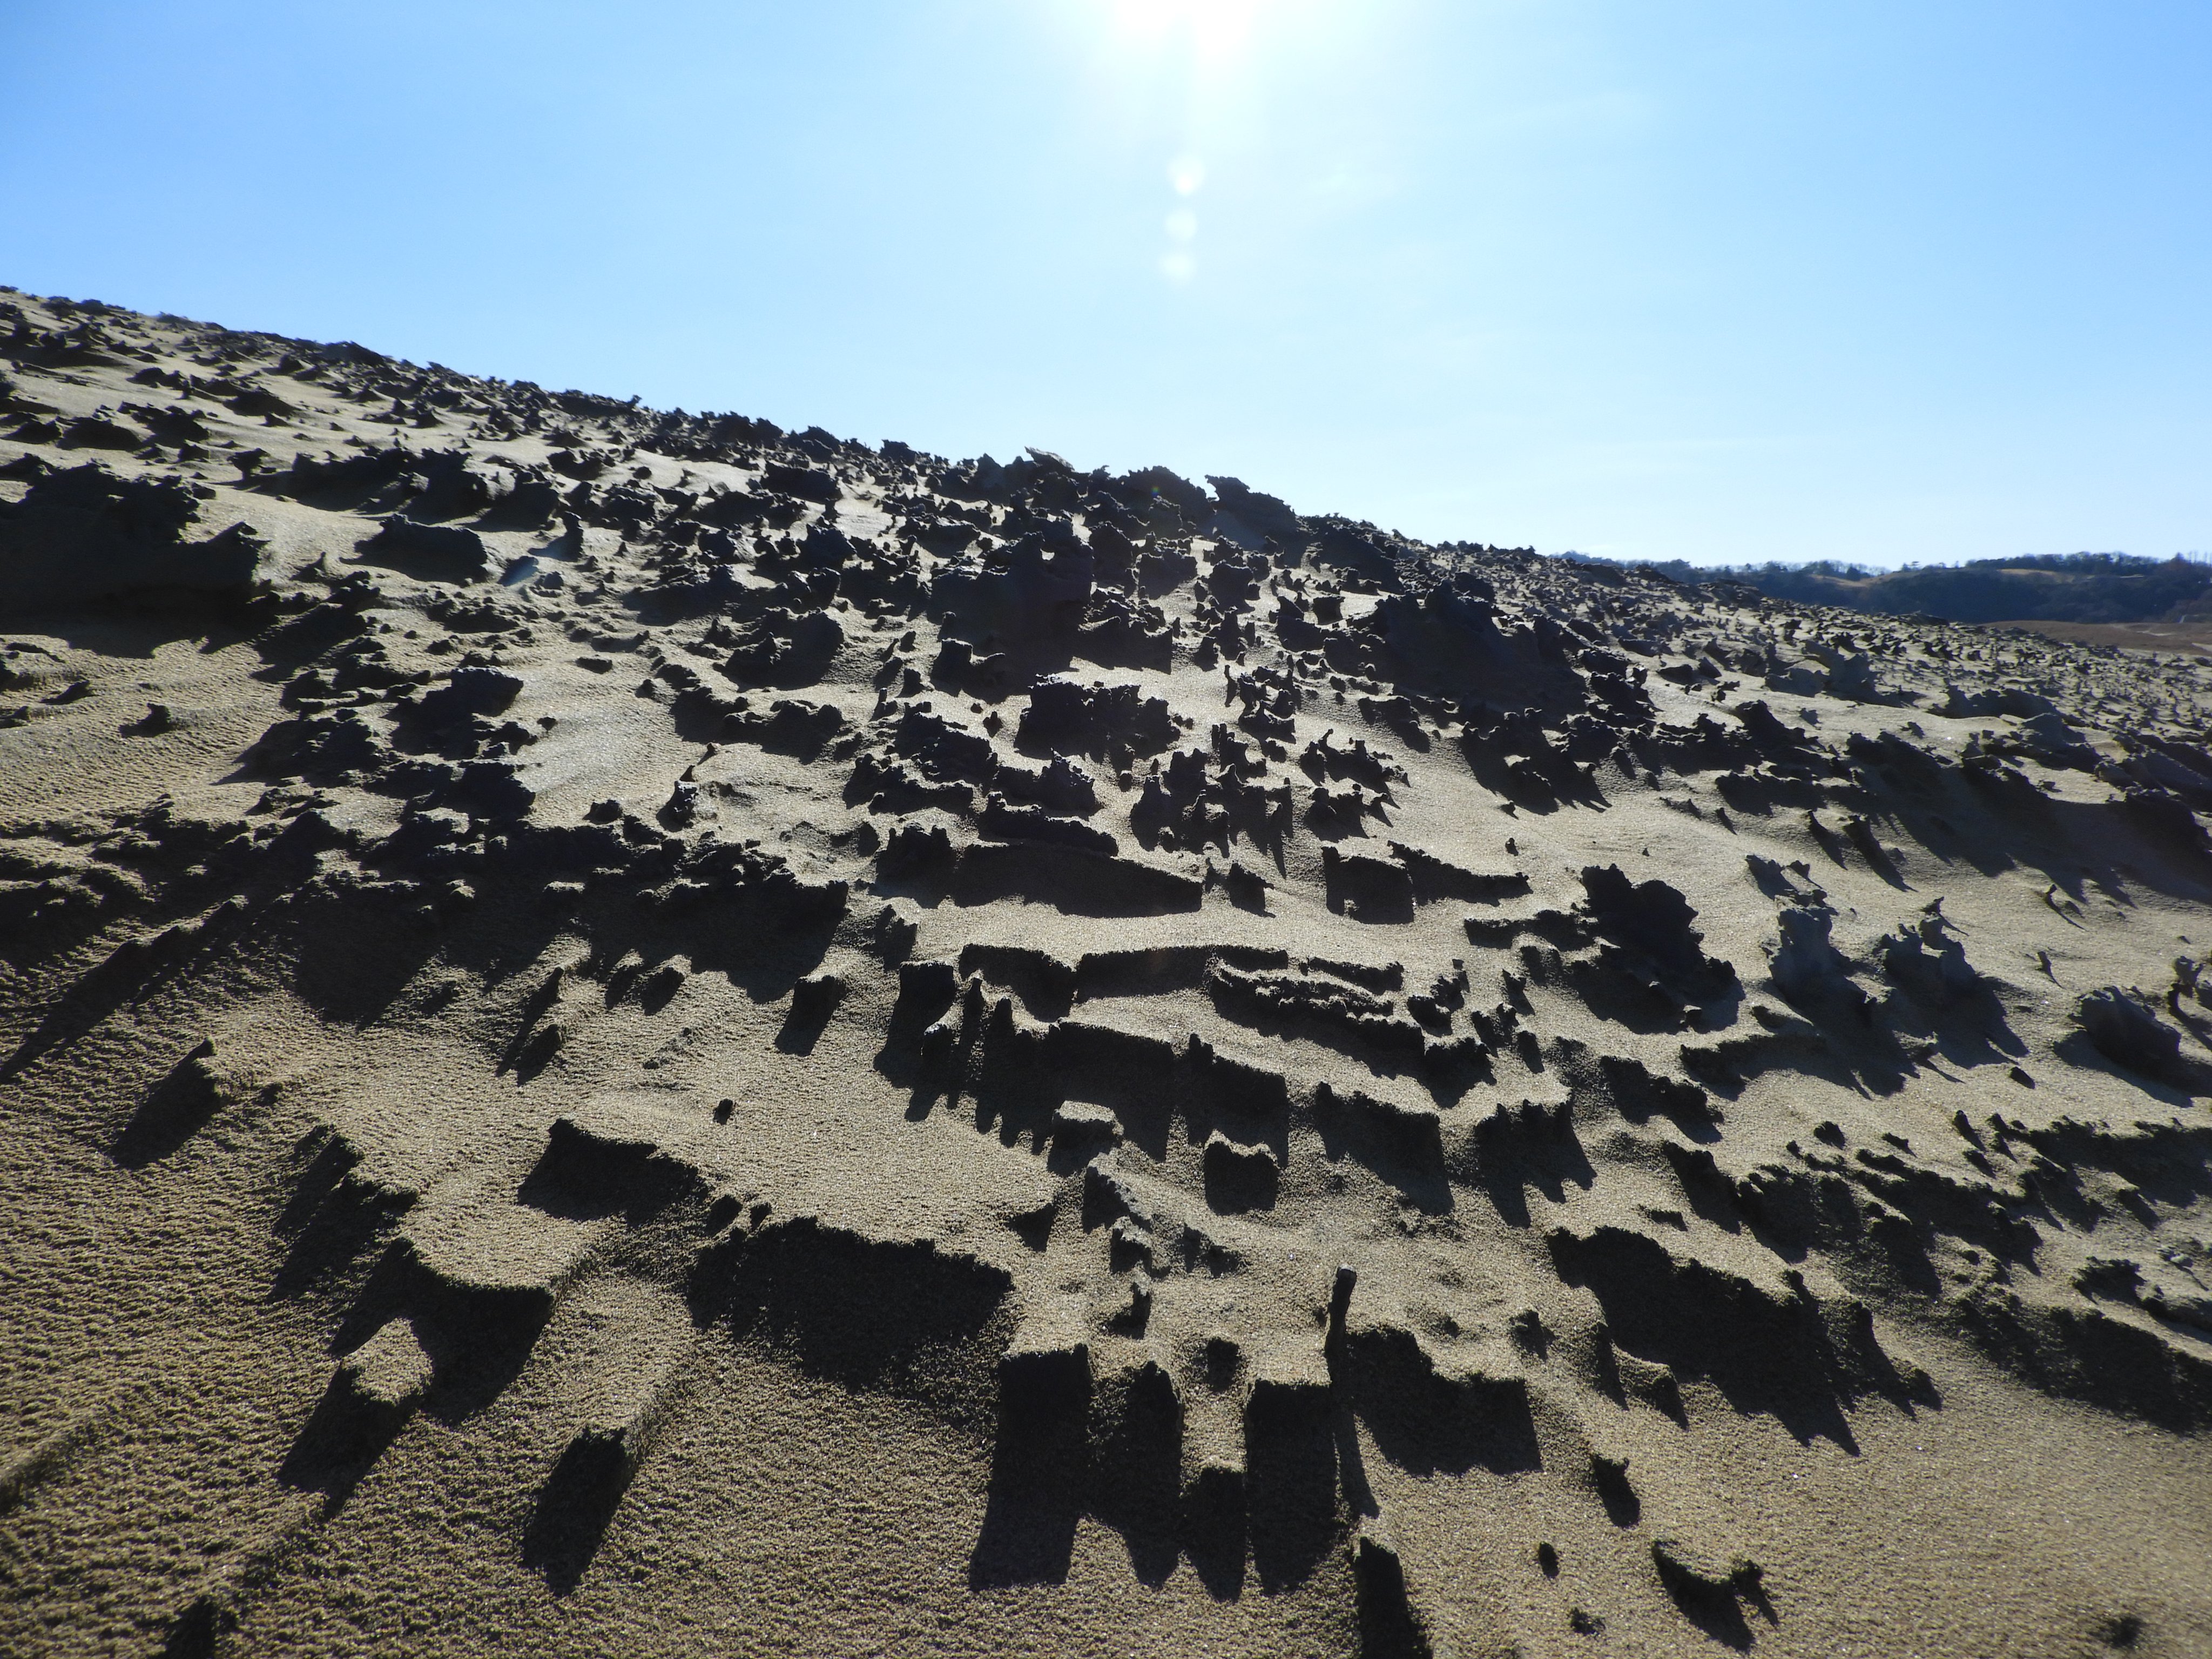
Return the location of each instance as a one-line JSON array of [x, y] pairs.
[[632, 1032]]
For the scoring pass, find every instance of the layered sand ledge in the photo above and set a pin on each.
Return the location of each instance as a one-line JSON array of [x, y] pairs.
[[634, 1033]]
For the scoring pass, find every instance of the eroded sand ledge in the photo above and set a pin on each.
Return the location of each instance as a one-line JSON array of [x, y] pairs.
[[630, 1032]]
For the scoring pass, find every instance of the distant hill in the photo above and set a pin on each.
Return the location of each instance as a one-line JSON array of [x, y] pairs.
[[2078, 587]]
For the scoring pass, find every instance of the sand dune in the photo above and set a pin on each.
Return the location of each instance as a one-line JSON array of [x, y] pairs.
[[631, 1032]]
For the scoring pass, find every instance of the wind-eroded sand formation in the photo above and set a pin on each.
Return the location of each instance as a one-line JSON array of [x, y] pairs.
[[634, 1033]]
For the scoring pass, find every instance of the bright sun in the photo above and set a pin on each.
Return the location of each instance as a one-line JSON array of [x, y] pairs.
[[1215, 28]]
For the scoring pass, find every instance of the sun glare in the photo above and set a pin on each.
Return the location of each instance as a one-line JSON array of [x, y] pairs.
[[1191, 67], [1215, 28]]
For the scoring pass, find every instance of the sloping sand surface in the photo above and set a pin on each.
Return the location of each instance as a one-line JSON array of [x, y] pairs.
[[632, 1033]]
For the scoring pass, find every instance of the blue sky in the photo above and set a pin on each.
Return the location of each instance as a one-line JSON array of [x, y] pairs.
[[1713, 281]]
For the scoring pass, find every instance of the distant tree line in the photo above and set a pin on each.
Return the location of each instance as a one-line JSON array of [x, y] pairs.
[[2085, 587]]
